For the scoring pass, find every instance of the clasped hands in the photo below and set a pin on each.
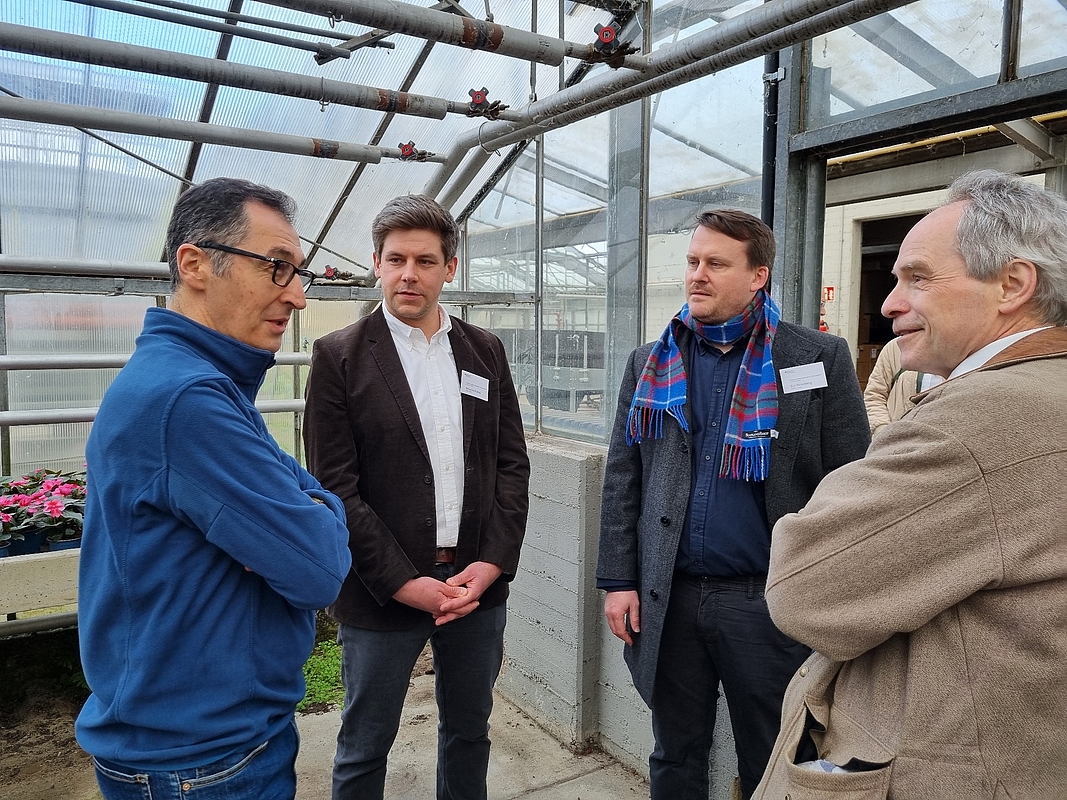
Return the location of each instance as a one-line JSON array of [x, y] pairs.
[[451, 599]]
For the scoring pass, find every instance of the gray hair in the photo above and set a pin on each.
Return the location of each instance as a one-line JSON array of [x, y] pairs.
[[1007, 217], [215, 210], [416, 212]]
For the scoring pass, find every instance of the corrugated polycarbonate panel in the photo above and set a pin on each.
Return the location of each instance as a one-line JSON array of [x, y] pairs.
[[64, 194], [57, 324], [932, 48]]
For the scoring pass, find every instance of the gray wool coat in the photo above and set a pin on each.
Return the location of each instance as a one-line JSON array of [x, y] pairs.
[[647, 485]]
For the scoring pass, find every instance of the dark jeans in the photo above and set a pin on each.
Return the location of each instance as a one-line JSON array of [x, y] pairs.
[[376, 670], [265, 773], [717, 631]]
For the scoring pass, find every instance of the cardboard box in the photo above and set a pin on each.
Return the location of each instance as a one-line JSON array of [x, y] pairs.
[[868, 355], [865, 329]]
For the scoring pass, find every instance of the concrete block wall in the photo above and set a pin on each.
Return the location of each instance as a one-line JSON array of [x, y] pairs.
[[562, 666], [551, 644]]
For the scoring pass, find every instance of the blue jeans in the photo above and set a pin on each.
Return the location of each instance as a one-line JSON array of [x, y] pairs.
[[376, 670], [266, 773], [717, 630]]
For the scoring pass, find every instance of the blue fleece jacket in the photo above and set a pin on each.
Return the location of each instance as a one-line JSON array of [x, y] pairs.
[[203, 558]]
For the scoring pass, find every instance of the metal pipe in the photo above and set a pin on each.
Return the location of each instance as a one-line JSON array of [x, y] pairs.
[[57, 416], [251, 20], [34, 265], [85, 49], [111, 361], [463, 180], [44, 622], [144, 125], [762, 30], [440, 26], [827, 20], [320, 48]]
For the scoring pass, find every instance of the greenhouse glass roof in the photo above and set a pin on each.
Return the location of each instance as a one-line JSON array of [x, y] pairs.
[[81, 189]]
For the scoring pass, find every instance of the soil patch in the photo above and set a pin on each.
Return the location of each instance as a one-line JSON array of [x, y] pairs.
[[41, 694]]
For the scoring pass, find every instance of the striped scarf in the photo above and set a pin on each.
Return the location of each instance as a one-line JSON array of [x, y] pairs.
[[746, 451]]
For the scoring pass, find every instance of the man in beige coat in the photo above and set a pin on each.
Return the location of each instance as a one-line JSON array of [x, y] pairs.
[[890, 388], [940, 624]]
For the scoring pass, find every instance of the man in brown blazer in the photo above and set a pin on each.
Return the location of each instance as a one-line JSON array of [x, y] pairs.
[[412, 420], [931, 576]]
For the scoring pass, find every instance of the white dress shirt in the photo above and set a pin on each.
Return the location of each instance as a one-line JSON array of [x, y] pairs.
[[430, 368], [979, 357]]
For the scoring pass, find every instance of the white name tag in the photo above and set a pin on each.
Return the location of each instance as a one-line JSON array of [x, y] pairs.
[[803, 378], [477, 386]]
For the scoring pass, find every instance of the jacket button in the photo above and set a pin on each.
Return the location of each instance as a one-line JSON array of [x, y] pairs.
[[653, 594], [664, 520], [429, 522], [803, 672], [427, 479]]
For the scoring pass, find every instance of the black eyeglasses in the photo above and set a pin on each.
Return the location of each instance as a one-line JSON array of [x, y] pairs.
[[283, 272]]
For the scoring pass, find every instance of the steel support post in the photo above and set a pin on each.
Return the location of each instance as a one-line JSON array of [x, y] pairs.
[[800, 192], [628, 137]]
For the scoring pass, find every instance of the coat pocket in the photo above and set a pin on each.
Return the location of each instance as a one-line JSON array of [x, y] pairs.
[[808, 784]]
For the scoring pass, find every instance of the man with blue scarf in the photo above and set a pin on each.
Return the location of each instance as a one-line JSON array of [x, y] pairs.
[[747, 413]]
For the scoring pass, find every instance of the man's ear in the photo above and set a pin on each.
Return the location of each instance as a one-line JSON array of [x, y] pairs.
[[193, 266], [1018, 283], [450, 269], [759, 278]]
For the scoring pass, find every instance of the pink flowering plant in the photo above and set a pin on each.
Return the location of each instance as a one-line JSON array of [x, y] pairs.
[[43, 499]]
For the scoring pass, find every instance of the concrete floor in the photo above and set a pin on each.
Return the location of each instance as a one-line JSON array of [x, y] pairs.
[[525, 763]]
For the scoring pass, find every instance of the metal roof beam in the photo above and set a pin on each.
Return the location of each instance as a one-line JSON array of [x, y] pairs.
[[227, 28], [563, 177], [1003, 102], [913, 52]]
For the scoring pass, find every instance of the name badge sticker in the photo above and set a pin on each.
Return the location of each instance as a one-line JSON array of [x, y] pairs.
[[803, 378], [477, 386]]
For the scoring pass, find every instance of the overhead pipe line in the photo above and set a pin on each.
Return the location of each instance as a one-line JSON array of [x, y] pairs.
[[820, 23], [85, 49], [141, 124], [761, 30], [467, 32], [319, 48]]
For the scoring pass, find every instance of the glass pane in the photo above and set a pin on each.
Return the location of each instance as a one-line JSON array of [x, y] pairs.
[[694, 167], [501, 247], [1044, 27], [929, 49]]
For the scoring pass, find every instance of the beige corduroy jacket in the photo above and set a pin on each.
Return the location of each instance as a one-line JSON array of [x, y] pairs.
[[931, 579]]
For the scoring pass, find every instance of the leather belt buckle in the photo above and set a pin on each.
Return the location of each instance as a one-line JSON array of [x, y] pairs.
[[445, 555]]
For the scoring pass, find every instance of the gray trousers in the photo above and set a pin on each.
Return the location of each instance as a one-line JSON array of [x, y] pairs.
[[376, 671]]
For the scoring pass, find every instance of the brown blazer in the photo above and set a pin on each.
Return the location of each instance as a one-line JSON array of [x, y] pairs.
[[931, 579], [365, 443]]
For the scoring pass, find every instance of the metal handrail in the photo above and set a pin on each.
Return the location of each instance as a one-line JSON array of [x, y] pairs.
[[103, 361]]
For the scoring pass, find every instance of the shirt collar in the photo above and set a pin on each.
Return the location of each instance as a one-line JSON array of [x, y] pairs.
[[412, 337], [979, 357]]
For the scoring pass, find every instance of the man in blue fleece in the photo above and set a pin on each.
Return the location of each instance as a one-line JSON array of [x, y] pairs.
[[206, 549]]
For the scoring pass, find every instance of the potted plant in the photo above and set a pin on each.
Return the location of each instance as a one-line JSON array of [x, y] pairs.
[[45, 504]]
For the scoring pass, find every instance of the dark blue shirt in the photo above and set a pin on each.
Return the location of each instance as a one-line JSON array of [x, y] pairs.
[[726, 532]]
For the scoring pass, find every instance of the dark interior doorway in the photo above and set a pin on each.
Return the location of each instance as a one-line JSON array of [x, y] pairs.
[[880, 243]]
